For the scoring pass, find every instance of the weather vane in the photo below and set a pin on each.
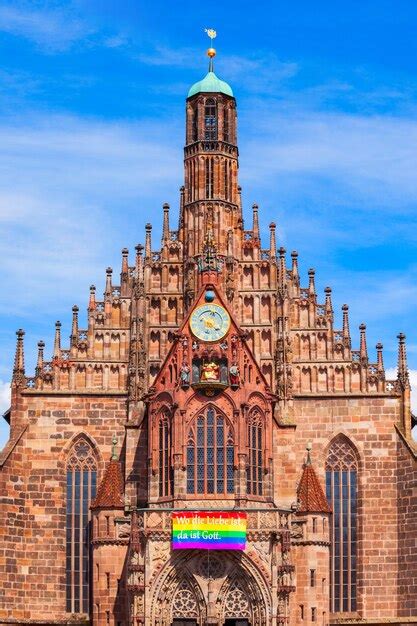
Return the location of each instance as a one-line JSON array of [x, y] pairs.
[[211, 52]]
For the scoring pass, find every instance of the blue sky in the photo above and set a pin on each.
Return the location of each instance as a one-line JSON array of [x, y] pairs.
[[92, 128]]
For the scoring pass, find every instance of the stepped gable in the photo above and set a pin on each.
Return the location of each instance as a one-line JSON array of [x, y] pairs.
[[310, 494], [111, 489]]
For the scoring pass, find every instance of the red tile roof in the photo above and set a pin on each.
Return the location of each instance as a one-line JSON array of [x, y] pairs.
[[110, 491], [310, 494]]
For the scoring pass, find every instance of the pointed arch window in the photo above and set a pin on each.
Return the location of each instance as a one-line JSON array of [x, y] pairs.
[[226, 125], [254, 469], [342, 495], [81, 490], [195, 124], [210, 455], [210, 120], [165, 468]]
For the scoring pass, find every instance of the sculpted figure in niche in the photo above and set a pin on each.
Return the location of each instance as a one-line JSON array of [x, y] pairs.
[[234, 375], [210, 371], [185, 374]]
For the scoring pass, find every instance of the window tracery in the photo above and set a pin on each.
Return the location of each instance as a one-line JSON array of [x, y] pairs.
[[237, 602], [185, 602], [210, 120], [255, 453], [342, 495], [165, 469], [210, 455], [81, 490]]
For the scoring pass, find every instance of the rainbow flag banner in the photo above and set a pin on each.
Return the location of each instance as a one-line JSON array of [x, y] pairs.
[[208, 530]]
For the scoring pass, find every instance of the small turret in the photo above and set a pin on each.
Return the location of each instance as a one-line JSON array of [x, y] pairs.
[[272, 241], [109, 287], [402, 376], [39, 362], [148, 242], [346, 330], [328, 303], [363, 347], [19, 359], [74, 328], [255, 227], [165, 225], [311, 283], [379, 358], [92, 301], [57, 341]]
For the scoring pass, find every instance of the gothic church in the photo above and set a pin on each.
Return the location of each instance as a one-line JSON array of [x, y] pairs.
[[209, 380]]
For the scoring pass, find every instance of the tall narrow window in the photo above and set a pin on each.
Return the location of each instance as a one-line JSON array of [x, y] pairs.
[[209, 177], [226, 180], [341, 491], [195, 124], [210, 455], [255, 454], [210, 120], [81, 489], [226, 125], [165, 470]]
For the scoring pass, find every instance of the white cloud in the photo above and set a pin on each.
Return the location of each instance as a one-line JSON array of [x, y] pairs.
[[54, 29], [69, 190]]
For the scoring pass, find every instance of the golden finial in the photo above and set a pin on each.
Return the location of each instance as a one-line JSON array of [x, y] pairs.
[[211, 52]]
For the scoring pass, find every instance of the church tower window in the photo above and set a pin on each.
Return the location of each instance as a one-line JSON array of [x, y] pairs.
[[210, 120], [255, 455], [165, 471], [226, 137], [81, 490], [342, 495], [210, 455]]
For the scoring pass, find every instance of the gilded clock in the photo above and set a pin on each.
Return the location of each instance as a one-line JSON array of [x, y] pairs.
[[210, 322]]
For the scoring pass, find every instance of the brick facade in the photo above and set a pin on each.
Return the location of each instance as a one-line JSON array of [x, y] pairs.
[[281, 377]]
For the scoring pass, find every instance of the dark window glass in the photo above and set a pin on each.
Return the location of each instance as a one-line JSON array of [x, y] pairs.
[[81, 489], [210, 456], [341, 493], [210, 120], [165, 470], [255, 455]]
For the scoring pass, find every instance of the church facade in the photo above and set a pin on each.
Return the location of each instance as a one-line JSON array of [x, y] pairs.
[[209, 384]]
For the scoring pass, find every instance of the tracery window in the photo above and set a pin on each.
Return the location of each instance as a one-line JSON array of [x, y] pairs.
[[165, 469], [255, 454], [209, 177], [81, 490], [342, 495], [195, 124], [226, 125], [210, 120], [210, 455]]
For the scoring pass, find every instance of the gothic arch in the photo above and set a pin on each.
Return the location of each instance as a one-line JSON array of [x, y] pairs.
[[244, 594], [177, 591], [69, 446], [343, 441]]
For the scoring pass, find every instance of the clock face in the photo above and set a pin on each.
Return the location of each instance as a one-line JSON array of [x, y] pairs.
[[210, 322]]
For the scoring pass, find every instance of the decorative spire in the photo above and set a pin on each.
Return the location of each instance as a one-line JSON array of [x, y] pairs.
[[346, 330], [92, 301], [328, 304], [211, 52], [310, 494], [403, 377], [294, 269], [125, 262], [363, 348], [57, 340], [39, 363], [74, 329], [272, 241], [148, 242], [311, 285], [109, 287], [165, 227], [114, 456], [111, 488], [255, 228], [19, 359], [379, 357], [282, 267]]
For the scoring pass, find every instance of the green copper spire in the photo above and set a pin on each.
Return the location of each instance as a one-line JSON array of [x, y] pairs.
[[210, 83]]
